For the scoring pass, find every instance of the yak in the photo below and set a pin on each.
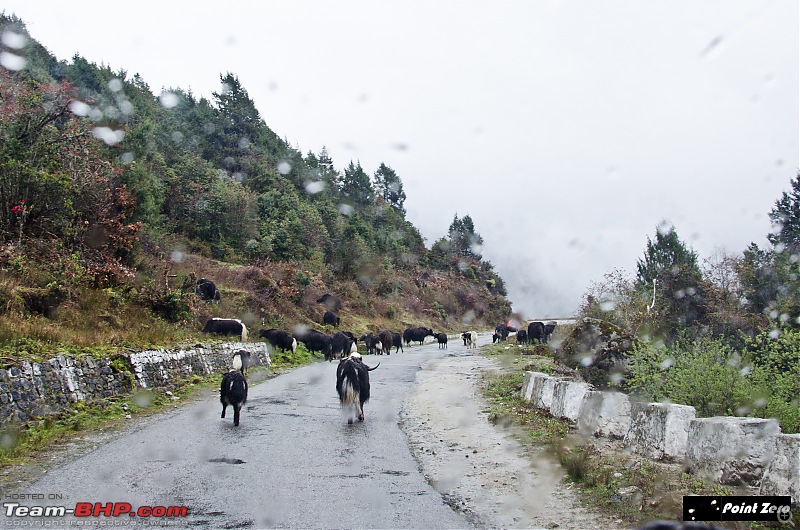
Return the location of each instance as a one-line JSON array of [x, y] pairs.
[[352, 384], [226, 326], [233, 389], [416, 335], [279, 339]]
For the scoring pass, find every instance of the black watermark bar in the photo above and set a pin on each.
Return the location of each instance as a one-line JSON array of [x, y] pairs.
[[737, 508]]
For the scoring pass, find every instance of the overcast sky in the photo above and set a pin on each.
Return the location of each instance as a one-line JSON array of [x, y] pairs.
[[568, 130]]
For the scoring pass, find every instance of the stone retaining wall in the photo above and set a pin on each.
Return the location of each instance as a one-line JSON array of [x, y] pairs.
[[33, 390], [748, 452]]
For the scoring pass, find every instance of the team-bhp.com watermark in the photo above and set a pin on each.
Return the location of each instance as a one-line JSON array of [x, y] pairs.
[[25, 511]]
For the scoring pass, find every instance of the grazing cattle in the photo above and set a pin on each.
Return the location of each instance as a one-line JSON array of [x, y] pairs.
[[416, 335], [549, 328], [330, 301], [397, 340], [442, 339], [352, 384], [226, 326], [522, 337], [279, 339], [372, 343], [315, 341], [233, 391], [241, 361], [207, 290], [341, 344], [470, 339], [330, 318], [495, 338], [536, 332], [387, 340], [501, 331]]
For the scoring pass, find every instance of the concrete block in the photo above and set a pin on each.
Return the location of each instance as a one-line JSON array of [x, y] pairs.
[[731, 450], [567, 399], [659, 430], [605, 414], [782, 475]]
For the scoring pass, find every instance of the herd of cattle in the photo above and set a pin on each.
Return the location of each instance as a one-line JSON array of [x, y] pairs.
[[352, 375]]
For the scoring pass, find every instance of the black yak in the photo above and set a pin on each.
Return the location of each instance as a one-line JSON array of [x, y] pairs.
[[352, 384], [279, 339], [226, 326], [233, 391]]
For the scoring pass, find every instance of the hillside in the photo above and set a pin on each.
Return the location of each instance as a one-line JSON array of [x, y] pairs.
[[116, 201]]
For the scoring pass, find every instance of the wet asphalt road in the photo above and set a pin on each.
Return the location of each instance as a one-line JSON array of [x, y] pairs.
[[293, 462]]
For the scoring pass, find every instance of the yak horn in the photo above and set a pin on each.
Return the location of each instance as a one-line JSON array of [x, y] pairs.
[[370, 369]]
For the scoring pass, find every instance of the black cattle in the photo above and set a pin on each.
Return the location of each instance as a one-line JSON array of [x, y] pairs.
[[501, 331], [330, 318], [331, 302], [416, 335], [387, 340], [442, 339], [373, 343], [279, 339], [495, 338], [241, 361], [522, 337], [549, 328], [206, 290], [226, 326], [315, 341], [352, 384], [397, 340], [341, 344], [233, 391], [536, 332]]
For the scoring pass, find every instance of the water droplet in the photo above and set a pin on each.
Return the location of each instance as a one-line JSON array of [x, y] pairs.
[[176, 256], [774, 334], [667, 363], [608, 305], [586, 360], [109, 136], [12, 61], [345, 209], [244, 143], [664, 227], [115, 85], [14, 40], [314, 187], [284, 167], [126, 158], [168, 99], [79, 108]]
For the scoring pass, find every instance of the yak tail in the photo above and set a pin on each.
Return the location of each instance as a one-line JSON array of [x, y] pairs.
[[349, 395], [294, 345], [244, 332]]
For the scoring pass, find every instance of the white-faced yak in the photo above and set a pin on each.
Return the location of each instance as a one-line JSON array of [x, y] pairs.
[[352, 384], [233, 389]]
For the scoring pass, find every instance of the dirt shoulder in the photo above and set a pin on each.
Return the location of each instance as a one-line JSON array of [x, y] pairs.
[[481, 468]]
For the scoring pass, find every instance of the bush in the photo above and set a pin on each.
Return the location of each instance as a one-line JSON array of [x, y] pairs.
[[718, 380]]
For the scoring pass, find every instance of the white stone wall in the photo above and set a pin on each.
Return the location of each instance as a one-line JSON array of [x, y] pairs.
[[748, 452]]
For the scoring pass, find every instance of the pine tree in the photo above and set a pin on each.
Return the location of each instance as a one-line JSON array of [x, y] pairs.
[[356, 185], [389, 186], [785, 217]]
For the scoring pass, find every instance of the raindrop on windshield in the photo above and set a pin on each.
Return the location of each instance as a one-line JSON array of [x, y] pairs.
[[284, 167], [14, 40], [79, 108], [12, 61], [168, 99], [115, 85], [109, 136], [314, 187]]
